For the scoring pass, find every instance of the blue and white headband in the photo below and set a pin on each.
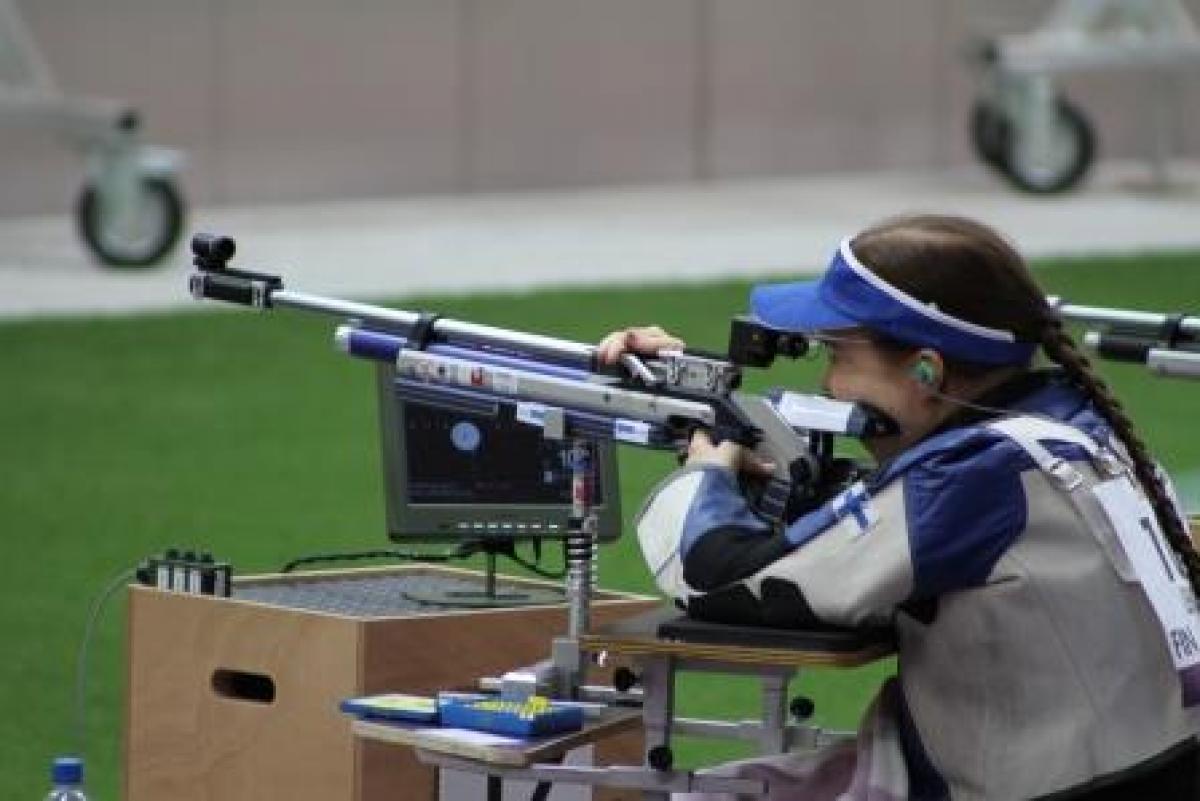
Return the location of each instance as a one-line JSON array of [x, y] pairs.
[[849, 295]]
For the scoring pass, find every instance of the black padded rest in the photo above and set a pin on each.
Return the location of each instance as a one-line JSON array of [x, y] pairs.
[[830, 639], [669, 623]]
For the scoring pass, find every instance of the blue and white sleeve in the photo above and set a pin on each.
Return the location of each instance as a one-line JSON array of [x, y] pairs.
[[697, 532], [841, 563], [849, 563], [939, 526]]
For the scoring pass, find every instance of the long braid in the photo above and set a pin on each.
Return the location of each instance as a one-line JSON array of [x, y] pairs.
[[1061, 348]]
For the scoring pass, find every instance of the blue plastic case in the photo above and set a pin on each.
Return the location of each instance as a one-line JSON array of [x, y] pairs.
[[535, 717], [393, 706]]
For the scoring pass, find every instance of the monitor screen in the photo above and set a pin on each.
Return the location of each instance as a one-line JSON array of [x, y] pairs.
[[473, 471]]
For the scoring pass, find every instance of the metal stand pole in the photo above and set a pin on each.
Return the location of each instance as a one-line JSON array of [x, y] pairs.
[[566, 657], [562, 675], [658, 686], [581, 541]]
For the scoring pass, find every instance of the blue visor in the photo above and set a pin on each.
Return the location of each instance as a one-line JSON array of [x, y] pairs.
[[849, 295]]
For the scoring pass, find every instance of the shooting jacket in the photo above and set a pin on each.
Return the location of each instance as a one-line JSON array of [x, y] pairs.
[[1029, 659]]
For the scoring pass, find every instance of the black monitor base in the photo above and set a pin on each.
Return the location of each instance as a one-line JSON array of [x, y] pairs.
[[489, 598]]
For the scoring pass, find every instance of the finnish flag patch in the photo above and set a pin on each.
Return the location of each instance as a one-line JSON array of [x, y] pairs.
[[855, 504]]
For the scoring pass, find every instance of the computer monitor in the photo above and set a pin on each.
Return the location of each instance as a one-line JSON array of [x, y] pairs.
[[469, 470]]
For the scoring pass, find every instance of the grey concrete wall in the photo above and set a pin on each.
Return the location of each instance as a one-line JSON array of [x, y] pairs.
[[312, 99]]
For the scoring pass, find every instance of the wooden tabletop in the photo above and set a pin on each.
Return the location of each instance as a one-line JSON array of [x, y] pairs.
[[640, 636], [497, 749]]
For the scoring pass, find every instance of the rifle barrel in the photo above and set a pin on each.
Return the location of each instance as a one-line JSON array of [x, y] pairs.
[[1149, 323], [447, 331]]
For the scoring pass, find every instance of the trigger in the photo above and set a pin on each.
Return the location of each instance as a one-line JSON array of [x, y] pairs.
[[771, 500]]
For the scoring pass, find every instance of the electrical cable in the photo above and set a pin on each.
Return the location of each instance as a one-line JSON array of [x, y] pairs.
[[459, 552], [978, 407], [826, 340], [533, 567], [118, 581]]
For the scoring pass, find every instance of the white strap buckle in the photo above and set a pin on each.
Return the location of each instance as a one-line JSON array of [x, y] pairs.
[[1064, 474], [1110, 464]]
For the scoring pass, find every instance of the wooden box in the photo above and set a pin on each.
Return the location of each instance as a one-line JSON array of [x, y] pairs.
[[232, 699]]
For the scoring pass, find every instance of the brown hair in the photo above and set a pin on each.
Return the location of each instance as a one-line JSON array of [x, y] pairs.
[[970, 271]]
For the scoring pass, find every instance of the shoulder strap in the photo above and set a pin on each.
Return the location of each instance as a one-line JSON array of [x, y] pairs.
[[1030, 432]]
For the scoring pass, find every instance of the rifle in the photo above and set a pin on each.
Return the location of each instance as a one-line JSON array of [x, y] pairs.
[[1167, 344], [560, 386]]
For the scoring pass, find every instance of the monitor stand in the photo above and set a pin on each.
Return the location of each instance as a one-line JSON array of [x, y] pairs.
[[488, 598]]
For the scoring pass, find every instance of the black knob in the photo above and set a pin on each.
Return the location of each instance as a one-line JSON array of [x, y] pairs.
[[802, 707], [660, 757], [213, 247], [624, 679], [129, 120]]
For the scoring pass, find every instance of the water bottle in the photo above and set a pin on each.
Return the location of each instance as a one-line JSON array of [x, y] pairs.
[[66, 773]]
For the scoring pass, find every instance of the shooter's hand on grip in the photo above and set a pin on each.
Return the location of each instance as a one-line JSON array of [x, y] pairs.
[[651, 340], [727, 454], [645, 340]]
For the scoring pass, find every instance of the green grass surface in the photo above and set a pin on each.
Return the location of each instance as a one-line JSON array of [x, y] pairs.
[[247, 435]]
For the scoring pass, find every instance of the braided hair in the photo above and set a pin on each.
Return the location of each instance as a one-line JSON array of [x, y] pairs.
[[970, 271]]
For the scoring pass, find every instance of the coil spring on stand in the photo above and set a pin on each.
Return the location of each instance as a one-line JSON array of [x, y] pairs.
[[580, 544], [581, 554]]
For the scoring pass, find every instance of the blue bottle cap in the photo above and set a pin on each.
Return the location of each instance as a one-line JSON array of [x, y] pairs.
[[67, 770]]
